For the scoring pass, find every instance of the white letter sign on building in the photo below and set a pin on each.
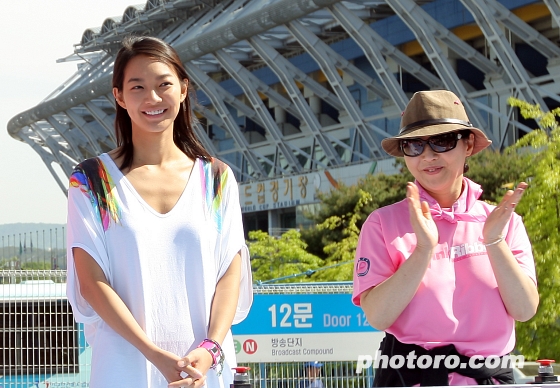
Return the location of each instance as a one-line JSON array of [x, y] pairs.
[[304, 327], [293, 190]]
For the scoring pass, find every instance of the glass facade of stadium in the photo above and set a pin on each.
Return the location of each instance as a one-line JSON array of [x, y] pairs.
[[296, 95]]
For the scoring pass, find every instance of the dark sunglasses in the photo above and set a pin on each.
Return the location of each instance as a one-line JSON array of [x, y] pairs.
[[439, 143]]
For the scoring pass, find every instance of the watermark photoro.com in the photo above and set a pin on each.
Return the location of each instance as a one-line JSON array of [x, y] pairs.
[[425, 361]]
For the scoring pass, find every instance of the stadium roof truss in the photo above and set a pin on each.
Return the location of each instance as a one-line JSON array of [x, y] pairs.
[[289, 86]]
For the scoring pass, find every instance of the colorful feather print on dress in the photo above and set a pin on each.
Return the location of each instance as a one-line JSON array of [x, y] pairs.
[[215, 175], [92, 179]]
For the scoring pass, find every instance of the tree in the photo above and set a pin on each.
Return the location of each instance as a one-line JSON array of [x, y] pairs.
[[540, 209], [275, 258], [341, 253], [496, 171], [383, 190], [36, 265]]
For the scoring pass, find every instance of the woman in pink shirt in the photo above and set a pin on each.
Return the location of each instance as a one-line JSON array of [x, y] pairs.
[[443, 274]]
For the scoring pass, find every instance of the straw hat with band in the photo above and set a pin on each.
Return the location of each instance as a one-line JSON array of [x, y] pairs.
[[430, 113]]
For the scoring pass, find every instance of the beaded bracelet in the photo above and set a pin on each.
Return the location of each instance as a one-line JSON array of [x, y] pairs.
[[216, 352], [497, 241]]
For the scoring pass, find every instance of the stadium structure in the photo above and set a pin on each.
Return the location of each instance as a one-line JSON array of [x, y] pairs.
[[296, 95]]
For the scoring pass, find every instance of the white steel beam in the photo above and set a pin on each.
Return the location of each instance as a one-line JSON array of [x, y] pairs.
[[249, 83], [523, 31], [316, 48], [103, 119], [366, 39], [48, 159], [287, 73], [415, 18], [513, 67], [64, 132], [58, 150], [216, 94], [554, 7], [81, 124]]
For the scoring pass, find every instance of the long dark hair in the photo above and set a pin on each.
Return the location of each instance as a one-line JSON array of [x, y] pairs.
[[183, 134]]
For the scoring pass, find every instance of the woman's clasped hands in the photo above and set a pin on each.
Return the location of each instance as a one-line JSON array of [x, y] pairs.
[[189, 371]]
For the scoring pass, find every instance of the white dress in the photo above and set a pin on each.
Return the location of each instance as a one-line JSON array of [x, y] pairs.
[[164, 266]]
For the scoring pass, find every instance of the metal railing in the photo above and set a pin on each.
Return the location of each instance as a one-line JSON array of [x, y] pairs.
[[39, 339], [334, 374], [40, 343], [33, 249]]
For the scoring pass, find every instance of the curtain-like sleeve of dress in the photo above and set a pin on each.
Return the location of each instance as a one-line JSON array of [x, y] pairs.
[[232, 240], [84, 230]]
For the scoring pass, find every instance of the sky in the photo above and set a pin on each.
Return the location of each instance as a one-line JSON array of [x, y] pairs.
[[35, 34]]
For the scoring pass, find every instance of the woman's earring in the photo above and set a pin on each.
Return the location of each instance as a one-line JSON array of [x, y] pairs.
[[465, 168]]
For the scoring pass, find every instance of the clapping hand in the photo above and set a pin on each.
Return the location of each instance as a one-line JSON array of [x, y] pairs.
[[500, 216], [421, 219]]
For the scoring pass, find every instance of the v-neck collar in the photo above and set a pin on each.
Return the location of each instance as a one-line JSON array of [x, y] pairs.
[[106, 158]]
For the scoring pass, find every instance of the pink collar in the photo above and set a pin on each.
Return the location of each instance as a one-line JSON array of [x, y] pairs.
[[462, 209]]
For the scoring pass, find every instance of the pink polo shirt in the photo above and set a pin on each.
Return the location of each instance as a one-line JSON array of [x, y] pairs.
[[458, 301]]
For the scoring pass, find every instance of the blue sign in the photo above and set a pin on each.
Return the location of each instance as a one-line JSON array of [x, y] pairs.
[[303, 314]]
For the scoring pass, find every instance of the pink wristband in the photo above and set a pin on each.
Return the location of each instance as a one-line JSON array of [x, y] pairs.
[[213, 348]]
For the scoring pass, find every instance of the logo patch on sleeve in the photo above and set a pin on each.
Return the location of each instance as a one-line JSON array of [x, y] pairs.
[[362, 266]]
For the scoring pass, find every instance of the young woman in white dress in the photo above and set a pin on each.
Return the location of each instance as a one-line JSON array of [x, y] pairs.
[[158, 269]]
